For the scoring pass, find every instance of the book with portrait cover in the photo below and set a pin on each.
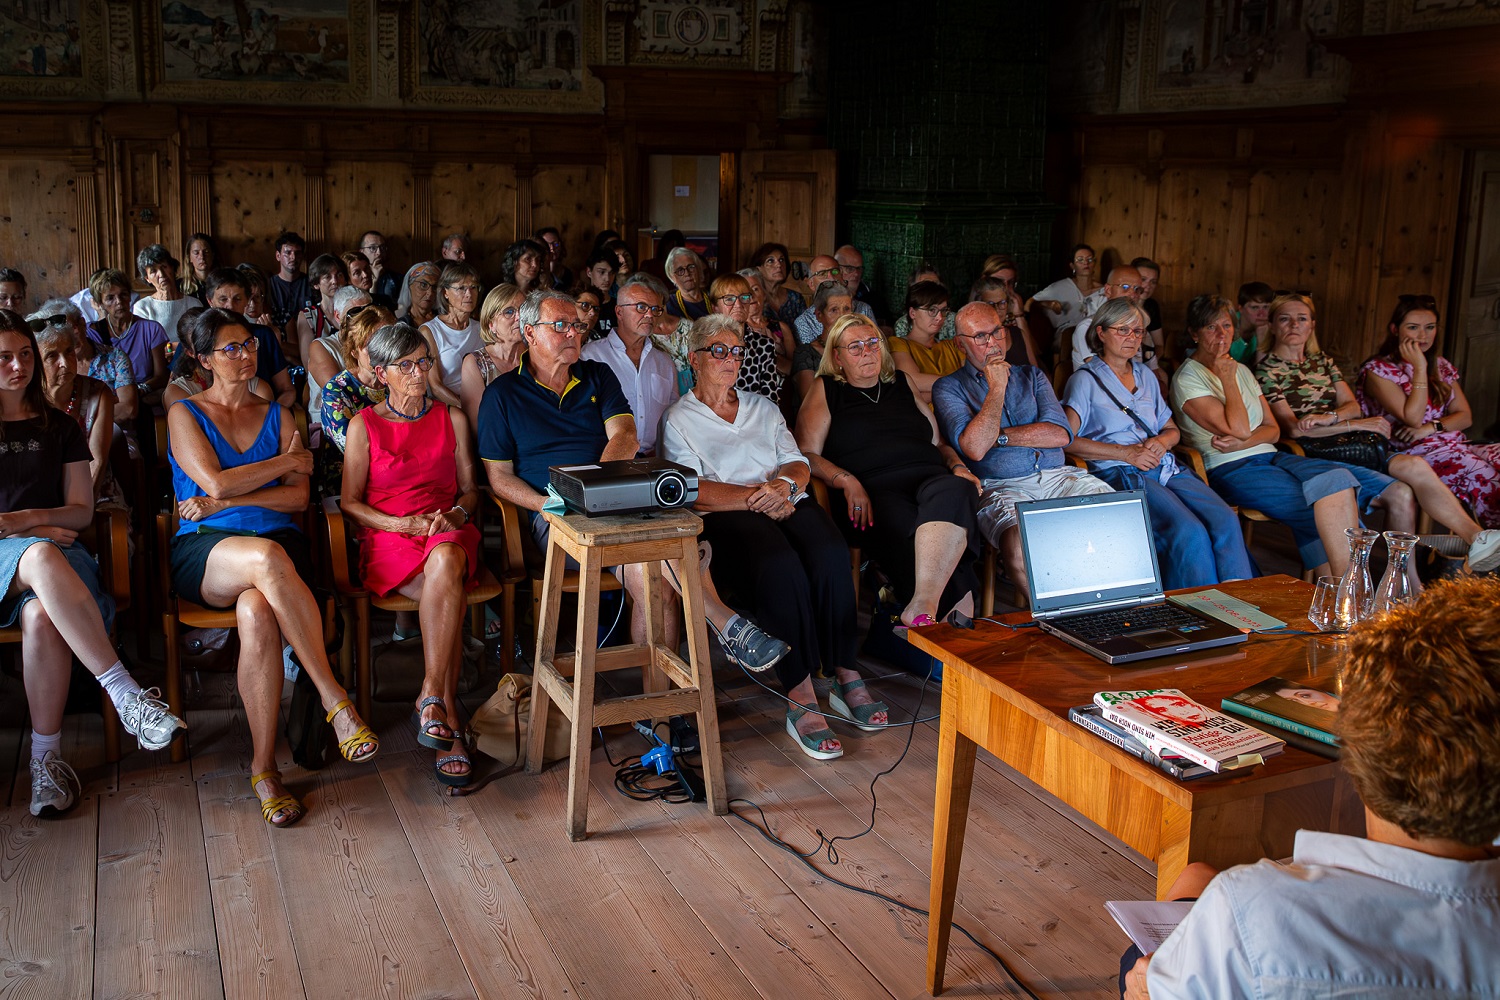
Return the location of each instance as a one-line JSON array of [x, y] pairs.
[[1171, 723], [1091, 717], [1304, 707]]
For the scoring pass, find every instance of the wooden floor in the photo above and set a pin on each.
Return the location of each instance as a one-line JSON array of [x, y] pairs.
[[165, 882]]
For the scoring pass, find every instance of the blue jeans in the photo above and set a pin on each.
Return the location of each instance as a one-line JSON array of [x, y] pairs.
[[1198, 540], [1284, 486]]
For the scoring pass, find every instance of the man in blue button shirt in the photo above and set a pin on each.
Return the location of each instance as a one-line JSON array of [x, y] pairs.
[[1006, 422]]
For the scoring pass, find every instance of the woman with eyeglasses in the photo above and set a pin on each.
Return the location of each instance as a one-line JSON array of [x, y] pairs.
[[453, 333], [107, 364], [1067, 300], [1221, 412], [920, 354], [687, 300], [190, 377], [500, 329], [1315, 407], [409, 485], [773, 262], [1415, 390], [590, 302], [775, 552], [760, 368], [239, 472], [831, 303], [761, 319], [417, 303], [908, 497], [1123, 428]]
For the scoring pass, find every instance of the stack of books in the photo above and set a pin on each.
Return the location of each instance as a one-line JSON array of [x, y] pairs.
[[1178, 731], [1304, 713]]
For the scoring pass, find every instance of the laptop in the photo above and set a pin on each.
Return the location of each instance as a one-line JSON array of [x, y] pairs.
[[1094, 581]]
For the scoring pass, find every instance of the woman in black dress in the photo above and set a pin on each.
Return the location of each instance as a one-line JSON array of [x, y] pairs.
[[910, 499]]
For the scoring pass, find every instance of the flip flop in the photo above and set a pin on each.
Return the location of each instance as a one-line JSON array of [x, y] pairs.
[[425, 735], [857, 714]]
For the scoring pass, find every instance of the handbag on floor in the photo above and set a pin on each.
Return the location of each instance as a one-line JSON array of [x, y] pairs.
[[498, 729]]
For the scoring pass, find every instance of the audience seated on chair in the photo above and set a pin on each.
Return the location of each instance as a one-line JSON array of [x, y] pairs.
[[49, 584], [1411, 909], [231, 288], [1006, 423], [88, 401], [239, 472], [143, 341]]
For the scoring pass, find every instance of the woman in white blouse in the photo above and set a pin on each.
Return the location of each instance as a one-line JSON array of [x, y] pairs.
[[775, 551]]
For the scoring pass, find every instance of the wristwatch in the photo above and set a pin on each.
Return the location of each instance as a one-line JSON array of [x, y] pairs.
[[1002, 440], [792, 496], [1437, 425], [467, 516]]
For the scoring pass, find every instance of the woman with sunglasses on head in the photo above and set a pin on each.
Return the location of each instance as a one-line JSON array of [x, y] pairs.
[[454, 332], [1123, 428], [760, 368], [500, 330], [920, 354], [1416, 390], [239, 472], [909, 499], [409, 485], [774, 263], [775, 552]]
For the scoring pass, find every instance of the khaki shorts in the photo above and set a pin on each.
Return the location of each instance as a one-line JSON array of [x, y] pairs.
[[997, 503]]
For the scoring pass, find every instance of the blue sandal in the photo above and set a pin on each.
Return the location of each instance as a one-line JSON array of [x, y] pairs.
[[858, 714], [447, 777], [425, 735], [811, 743]]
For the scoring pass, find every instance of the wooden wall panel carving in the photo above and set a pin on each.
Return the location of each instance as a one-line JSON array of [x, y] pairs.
[[41, 219], [252, 201], [474, 198]]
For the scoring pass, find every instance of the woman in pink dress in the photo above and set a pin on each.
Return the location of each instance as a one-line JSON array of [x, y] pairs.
[[409, 485], [1409, 384]]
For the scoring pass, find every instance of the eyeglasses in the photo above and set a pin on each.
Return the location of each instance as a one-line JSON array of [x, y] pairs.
[[422, 283], [745, 297], [57, 319], [852, 268], [409, 366], [356, 311], [1420, 301], [587, 307], [234, 351], [641, 307], [465, 289], [832, 272], [509, 311], [937, 312], [1126, 286], [684, 270], [564, 327], [983, 336], [722, 351], [773, 260], [372, 246], [859, 347], [1083, 260], [1127, 332]]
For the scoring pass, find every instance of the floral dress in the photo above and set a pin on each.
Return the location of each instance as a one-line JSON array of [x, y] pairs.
[[343, 397], [1469, 470]]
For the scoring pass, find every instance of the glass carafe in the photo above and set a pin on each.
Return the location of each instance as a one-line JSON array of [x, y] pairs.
[[1356, 597], [1400, 584]]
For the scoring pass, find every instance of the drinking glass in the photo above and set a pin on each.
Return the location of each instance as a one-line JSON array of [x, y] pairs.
[[1327, 613]]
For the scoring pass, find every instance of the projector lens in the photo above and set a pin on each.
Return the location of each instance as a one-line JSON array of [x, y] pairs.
[[670, 490]]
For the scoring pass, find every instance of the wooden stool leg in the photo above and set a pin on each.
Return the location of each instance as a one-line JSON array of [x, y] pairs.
[[550, 605], [583, 695], [652, 680], [702, 674]]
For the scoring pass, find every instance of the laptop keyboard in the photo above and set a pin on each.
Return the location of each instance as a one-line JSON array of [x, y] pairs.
[[1107, 624]]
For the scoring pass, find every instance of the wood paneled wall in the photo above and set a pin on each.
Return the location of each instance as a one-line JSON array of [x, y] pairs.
[[1348, 206]]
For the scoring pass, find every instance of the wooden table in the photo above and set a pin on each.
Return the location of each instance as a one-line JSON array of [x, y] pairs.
[[1010, 691]]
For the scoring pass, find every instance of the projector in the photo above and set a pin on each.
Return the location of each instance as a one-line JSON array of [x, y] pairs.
[[633, 486]]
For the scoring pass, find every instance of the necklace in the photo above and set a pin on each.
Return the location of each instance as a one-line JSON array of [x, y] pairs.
[[426, 405], [879, 388]]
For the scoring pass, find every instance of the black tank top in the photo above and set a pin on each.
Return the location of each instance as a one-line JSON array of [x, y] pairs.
[[877, 433]]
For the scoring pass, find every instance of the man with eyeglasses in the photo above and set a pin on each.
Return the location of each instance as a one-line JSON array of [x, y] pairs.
[[824, 270], [455, 247], [647, 374], [1123, 283], [387, 279], [852, 271], [1010, 429], [226, 288]]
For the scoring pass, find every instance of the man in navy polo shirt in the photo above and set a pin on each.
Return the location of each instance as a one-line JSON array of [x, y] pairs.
[[558, 408], [1006, 422]]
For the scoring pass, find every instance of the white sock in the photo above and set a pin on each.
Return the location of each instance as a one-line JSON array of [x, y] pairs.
[[118, 683], [41, 744]]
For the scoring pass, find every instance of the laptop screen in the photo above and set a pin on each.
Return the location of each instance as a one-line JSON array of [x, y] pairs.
[[1081, 550]]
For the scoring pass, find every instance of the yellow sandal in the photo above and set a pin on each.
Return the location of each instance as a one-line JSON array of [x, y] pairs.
[[277, 803], [361, 735]]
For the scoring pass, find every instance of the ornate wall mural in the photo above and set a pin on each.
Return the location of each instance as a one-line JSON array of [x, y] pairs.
[[709, 28], [51, 48]]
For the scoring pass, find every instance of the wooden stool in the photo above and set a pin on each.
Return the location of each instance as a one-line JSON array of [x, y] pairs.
[[597, 543]]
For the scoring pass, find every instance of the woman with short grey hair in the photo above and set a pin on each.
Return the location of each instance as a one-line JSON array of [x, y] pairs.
[[87, 400], [166, 304], [686, 271], [109, 365], [409, 485]]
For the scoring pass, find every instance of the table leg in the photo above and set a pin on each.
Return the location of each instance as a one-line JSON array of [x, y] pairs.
[[584, 647], [955, 778], [549, 607]]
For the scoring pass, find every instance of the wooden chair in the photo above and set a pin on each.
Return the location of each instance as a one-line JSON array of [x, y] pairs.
[[109, 539], [347, 585], [522, 560], [180, 613]]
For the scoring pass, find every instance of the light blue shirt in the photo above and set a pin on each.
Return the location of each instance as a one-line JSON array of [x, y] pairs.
[[1029, 399], [809, 329], [1100, 418], [1348, 918]]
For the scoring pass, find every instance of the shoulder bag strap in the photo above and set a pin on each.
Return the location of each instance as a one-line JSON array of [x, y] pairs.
[[1123, 408]]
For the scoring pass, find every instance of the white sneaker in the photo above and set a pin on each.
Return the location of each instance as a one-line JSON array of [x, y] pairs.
[[1484, 551], [54, 785], [144, 715]]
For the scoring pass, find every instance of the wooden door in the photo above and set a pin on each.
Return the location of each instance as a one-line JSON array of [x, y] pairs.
[[787, 197], [1474, 343], [144, 187]]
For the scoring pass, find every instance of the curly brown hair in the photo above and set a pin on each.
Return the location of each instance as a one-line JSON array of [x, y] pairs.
[[1420, 718]]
